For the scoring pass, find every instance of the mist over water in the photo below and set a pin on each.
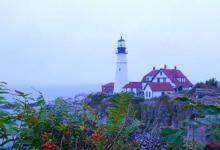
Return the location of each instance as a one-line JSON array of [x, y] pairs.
[[51, 92]]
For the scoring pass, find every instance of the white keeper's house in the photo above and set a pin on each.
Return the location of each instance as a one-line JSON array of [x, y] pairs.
[[154, 84]]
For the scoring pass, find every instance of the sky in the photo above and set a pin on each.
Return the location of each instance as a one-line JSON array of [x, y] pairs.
[[65, 42]]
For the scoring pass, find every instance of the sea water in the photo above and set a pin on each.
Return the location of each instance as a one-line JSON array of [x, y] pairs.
[[51, 92]]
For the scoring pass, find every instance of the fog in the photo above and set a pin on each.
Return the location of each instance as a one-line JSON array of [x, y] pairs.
[[66, 42]]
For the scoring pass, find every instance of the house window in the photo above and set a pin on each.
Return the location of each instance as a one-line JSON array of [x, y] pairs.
[[119, 69], [181, 79], [158, 80], [146, 94], [164, 79], [149, 94], [161, 73], [184, 79], [162, 93], [147, 79]]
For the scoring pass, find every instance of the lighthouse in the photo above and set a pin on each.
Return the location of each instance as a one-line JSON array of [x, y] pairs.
[[121, 76]]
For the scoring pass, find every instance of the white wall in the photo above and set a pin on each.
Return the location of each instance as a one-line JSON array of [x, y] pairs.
[[163, 75], [132, 90], [121, 58], [121, 75], [154, 93], [147, 91]]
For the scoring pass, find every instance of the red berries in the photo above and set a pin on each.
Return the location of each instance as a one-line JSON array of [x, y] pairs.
[[96, 136], [48, 146]]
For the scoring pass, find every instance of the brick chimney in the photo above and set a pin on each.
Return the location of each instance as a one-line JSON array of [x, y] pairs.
[[175, 67], [165, 66], [154, 68]]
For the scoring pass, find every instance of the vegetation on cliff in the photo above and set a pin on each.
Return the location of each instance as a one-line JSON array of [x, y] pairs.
[[65, 125], [120, 121]]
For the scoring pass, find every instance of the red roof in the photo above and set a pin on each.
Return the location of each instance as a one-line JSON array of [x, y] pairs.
[[173, 74], [108, 88], [150, 74], [163, 86], [133, 85]]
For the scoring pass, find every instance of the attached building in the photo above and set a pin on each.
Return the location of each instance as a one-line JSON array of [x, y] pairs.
[[108, 88], [134, 87], [154, 89]]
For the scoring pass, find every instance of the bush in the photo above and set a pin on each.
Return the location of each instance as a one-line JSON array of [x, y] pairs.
[[65, 125]]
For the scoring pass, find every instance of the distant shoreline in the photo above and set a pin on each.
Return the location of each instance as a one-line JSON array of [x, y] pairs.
[[51, 92]]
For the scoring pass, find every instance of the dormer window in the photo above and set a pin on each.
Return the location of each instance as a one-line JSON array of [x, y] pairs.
[[158, 80], [161, 73], [181, 79], [164, 79]]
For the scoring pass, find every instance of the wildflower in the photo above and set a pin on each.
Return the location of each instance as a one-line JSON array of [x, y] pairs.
[[46, 145], [77, 143], [96, 136]]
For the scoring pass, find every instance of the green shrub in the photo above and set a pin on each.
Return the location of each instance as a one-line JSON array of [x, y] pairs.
[[65, 125]]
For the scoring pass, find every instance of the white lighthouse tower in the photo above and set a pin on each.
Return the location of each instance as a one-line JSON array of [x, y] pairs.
[[121, 76]]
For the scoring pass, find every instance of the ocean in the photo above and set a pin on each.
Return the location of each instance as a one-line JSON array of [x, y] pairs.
[[50, 93]]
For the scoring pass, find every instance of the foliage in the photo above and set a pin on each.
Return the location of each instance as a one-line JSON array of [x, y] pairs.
[[117, 113], [212, 82], [34, 124], [174, 137], [209, 84], [63, 125], [203, 116], [120, 121], [183, 99], [97, 98]]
